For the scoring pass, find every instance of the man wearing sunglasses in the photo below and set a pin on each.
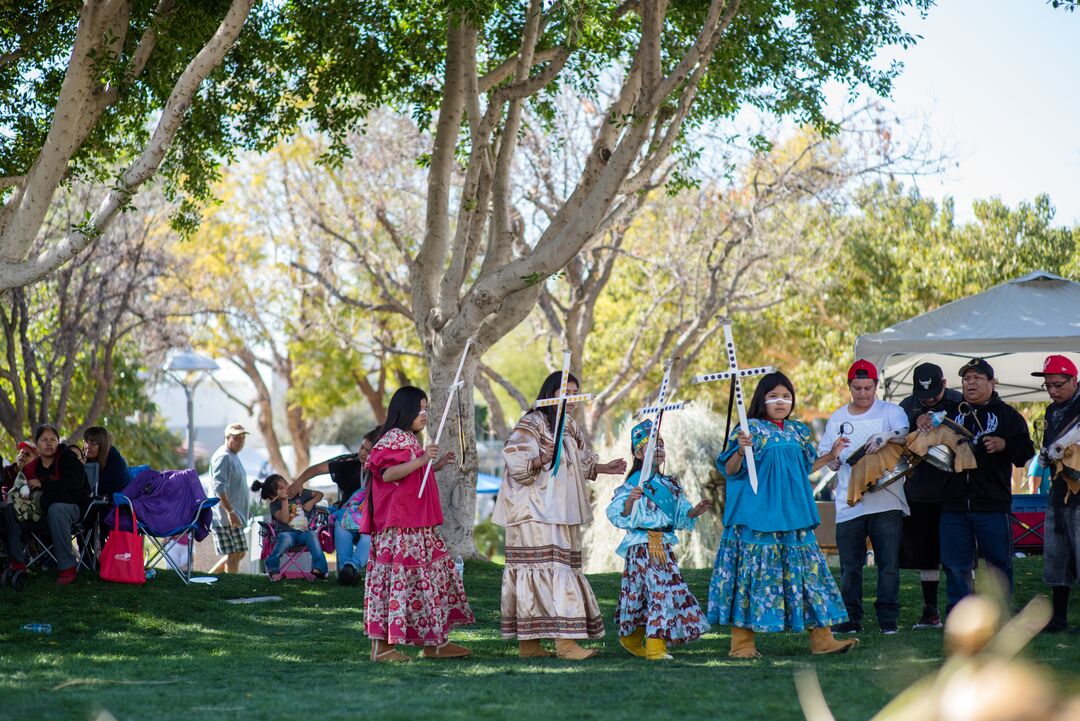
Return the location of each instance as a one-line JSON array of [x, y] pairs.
[[1061, 553]]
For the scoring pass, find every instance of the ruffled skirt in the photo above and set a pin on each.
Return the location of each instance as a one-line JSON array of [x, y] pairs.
[[413, 593], [544, 592], [775, 581], [656, 596]]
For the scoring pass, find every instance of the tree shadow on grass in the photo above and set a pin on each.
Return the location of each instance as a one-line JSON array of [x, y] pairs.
[[163, 650]]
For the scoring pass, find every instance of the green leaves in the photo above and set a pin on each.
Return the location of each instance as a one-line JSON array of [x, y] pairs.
[[902, 254]]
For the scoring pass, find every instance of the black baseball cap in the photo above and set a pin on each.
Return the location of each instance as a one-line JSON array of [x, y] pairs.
[[979, 365], [928, 381]]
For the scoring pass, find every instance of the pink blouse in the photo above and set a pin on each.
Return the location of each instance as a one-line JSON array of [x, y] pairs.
[[394, 504]]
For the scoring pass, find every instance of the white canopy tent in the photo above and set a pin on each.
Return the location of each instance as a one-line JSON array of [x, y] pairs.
[[1014, 326]]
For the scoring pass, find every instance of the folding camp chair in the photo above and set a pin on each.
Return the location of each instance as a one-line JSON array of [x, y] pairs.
[[164, 540], [296, 562], [39, 551], [84, 535]]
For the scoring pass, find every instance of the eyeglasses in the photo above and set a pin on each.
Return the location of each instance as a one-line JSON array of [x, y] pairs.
[[1055, 386]]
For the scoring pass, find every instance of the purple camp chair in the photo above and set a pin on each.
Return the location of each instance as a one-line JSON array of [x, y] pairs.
[[172, 509]]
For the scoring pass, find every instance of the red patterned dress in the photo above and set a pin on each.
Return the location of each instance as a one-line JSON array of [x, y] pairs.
[[413, 593]]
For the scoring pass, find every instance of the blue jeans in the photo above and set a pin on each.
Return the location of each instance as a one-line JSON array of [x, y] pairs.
[[352, 547], [288, 539], [883, 530], [961, 533]]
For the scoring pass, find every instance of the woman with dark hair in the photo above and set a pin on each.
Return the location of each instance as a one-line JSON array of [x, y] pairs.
[[65, 494], [544, 592], [113, 475], [770, 574], [413, 594]]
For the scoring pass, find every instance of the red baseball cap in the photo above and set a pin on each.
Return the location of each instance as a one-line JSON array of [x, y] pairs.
[[1057, 365], [862, 369], [28, 446]]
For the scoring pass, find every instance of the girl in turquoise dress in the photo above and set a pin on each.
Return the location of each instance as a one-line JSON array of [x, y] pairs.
[[655, 606], [770, 574]]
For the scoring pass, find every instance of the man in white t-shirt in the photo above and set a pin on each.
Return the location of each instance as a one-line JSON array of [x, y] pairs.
[[879, 516]]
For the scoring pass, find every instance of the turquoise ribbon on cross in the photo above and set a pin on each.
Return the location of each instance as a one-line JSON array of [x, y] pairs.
[[560, 422]]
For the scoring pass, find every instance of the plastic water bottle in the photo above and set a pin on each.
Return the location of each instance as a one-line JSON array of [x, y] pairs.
[[43, 628], [151, 573], [459, 566]]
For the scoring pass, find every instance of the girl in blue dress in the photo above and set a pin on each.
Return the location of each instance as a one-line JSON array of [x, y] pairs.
[[655, 606], [770, 574]]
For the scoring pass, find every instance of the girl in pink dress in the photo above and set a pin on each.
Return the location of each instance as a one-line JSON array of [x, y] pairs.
[[413, 594]]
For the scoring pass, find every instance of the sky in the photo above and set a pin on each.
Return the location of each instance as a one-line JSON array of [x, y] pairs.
[[996, 83]]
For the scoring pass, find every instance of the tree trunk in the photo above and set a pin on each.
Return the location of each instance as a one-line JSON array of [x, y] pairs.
[[374, 396], [496, 417], [300, 433], [457, 481], [245, 359]]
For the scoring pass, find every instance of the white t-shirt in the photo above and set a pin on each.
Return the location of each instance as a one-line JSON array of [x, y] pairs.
[[878, 418]]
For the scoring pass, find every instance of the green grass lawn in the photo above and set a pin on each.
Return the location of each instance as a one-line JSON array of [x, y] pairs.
[[164, 651]]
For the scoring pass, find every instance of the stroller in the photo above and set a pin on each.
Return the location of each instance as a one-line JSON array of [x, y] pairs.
[[296, 562]]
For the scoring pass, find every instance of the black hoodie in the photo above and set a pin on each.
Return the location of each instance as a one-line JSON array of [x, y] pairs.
[[63, 482], [927, 484], [988, 488]]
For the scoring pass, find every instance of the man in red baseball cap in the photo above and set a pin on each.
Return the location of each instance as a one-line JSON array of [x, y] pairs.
[[869, 423], [1061, 554], [25, 452], [862, 370], [10, 528]]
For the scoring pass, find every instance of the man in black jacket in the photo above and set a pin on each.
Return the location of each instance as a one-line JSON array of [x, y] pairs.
[[1061, 555], [60, 476], [920, 544], [978, 503]]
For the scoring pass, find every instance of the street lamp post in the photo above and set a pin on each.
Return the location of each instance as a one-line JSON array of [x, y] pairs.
[[189, 369]]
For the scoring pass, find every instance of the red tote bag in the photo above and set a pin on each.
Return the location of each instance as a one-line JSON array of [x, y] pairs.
[[122, 557]]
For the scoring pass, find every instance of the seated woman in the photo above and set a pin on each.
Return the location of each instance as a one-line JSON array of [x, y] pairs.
[[59, 475], [113, 474]]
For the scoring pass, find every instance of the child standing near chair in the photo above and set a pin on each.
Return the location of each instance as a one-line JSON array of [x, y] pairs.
[[290, 519], [655, 605]]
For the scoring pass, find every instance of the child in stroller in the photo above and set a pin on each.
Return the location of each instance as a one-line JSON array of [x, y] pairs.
[[289, 527]]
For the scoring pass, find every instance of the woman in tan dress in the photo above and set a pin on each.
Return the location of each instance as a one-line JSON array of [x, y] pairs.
[[544, 592]]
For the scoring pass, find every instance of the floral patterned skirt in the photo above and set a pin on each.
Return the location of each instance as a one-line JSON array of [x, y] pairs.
[[413, 593], [777, 581], [656, 596]]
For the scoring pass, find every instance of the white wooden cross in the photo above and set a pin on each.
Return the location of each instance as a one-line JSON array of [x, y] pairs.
[[734, 373], [454, 388], [654, 432], [560, 421]]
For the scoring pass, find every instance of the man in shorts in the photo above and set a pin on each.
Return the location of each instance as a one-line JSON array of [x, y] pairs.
[[230, 486]]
